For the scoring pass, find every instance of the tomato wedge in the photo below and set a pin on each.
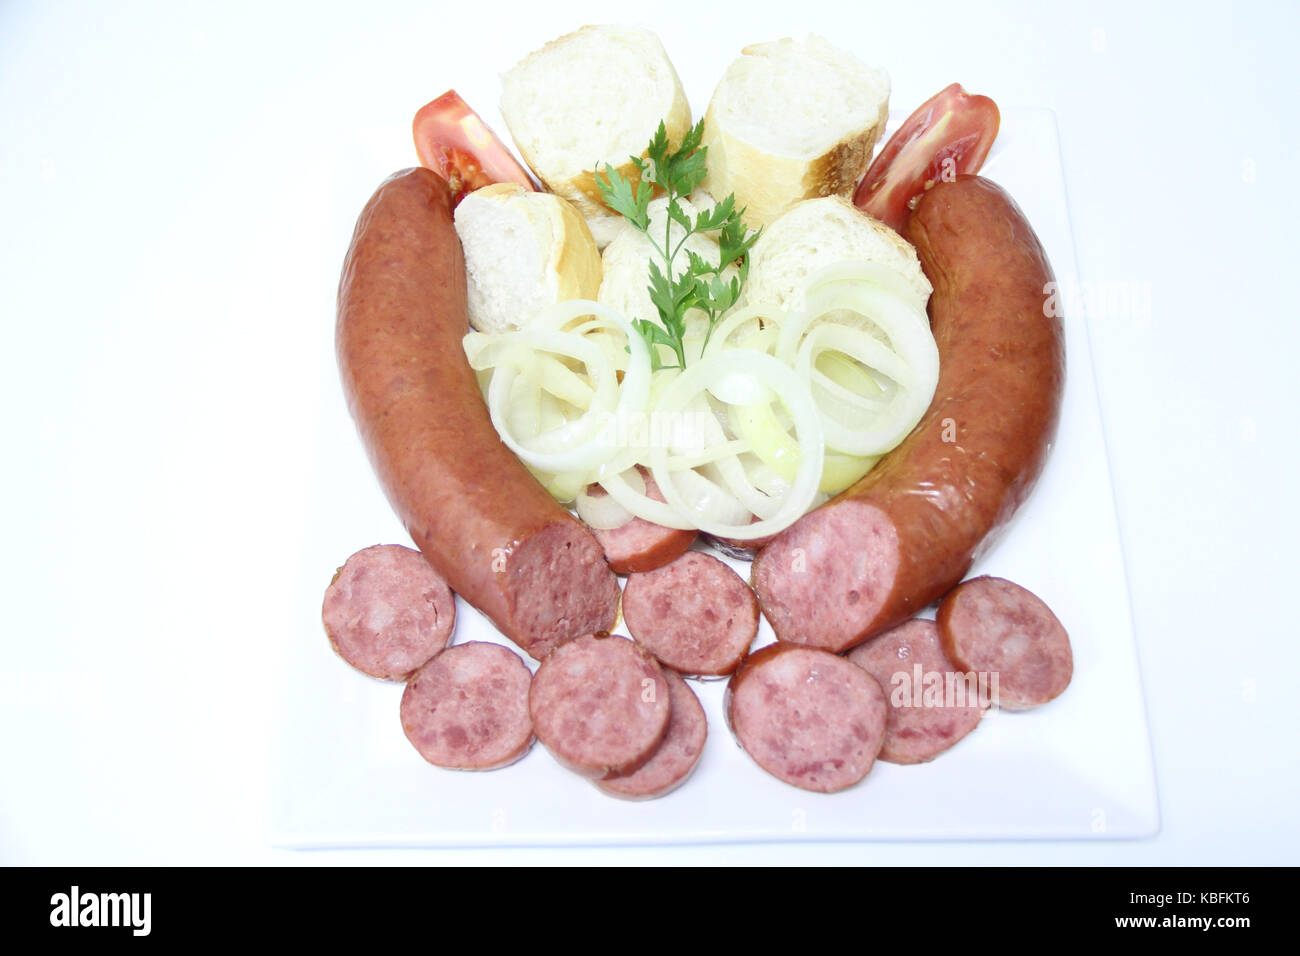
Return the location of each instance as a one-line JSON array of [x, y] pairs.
[[951, 133], [455, 143]]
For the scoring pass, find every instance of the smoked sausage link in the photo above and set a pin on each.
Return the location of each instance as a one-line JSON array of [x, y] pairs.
[[906, 534], [481, 520]]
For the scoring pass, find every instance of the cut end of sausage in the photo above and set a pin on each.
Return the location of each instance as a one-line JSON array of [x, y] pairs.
[[807, 717], [695, 615], [559, 588], [387, 611], [600, 705], [467, 709], [641, 545], [931, 704], [825, 580], [990, 625], [676, 757]]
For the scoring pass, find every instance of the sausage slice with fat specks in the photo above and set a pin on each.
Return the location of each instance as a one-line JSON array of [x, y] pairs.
[[907, 533], [807, 716], [479, 517], [467, 709], [676, 756], [695, 615], [931, 705], [600, 704], [387, 611], [641, 545], [993, 626]]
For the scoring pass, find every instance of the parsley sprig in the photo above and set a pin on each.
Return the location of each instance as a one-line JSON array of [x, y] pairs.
[[701, 284]]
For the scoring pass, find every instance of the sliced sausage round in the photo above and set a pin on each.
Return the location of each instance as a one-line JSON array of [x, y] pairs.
[[641, 545], [387, 611], [696, 615], [990, 625], [467, 709], [676, 756], [600, 704], [806, 716], [931, 705]]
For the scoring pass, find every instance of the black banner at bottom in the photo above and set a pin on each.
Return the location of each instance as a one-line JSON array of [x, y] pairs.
[[329, 904]]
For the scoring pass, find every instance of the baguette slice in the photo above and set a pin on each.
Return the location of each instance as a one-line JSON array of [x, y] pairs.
[[592, 97], [524, 250], [791, 120], [817, 233]]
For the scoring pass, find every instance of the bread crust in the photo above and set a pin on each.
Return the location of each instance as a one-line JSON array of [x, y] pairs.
[[765, 182], [578, 264], [572, 258], [766, 185]]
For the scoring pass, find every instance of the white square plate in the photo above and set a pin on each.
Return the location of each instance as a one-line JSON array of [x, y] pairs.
[[1079, 767]]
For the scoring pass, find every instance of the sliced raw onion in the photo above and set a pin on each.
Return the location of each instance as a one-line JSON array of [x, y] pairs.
[[602, 512], [771, 416], [642, 505], [874, 379], [842, 471], [606, 407], [711, 512], [860, 270]]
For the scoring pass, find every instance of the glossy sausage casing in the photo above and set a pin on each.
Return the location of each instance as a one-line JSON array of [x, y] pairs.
[[471, 507], [907, 533]]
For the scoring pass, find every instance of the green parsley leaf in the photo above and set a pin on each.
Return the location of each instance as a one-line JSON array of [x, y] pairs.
[[715, 218], [631, 202], [678, 172], [657, 152], [654, 335], [678, 215]]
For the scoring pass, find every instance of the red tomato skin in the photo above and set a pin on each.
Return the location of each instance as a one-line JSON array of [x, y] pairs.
[[949, 134], [453, 141]]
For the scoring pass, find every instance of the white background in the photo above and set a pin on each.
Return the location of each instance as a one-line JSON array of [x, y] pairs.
[[162, 247]]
